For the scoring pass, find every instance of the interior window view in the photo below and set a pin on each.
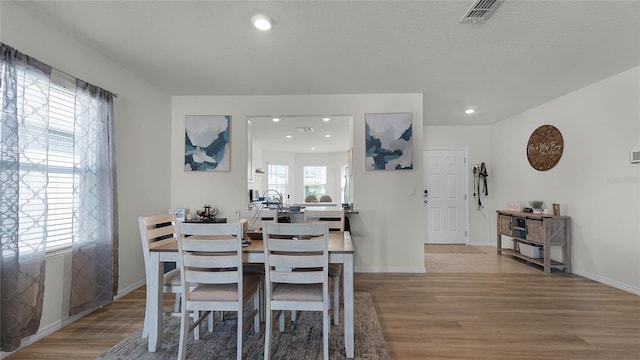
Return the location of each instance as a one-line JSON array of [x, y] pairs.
[[320, 179]]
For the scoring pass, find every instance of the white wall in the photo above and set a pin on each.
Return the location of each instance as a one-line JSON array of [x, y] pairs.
[[388, 233], [594, 182], [477, 141], [142, 133]]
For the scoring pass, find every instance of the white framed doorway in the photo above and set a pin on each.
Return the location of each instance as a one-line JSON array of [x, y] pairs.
[[445, 181]]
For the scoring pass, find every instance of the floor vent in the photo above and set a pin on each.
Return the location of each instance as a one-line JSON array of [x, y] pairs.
[[480, 11]]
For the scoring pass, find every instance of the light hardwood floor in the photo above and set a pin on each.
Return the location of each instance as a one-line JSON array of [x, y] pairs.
[[468, 306]]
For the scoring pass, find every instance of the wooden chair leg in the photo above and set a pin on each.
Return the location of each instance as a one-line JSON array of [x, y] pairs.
[[282, 321], [267, 332], [196, 330], [256, 306], [184, 332], [176, 306], [239, 332], [336, 300], [326, 324]]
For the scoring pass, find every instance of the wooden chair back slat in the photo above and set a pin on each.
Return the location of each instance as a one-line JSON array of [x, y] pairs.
[[335, 218]]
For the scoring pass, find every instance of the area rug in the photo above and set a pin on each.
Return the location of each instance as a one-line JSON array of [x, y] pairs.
[[301, 339], [452, 249]]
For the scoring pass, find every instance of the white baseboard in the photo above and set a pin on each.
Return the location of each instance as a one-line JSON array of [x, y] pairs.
[[128, 289], [57, 325], [607, 281], [48, 330]]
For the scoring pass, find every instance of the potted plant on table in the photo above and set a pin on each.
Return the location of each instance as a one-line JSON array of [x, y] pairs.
[[536, 205]]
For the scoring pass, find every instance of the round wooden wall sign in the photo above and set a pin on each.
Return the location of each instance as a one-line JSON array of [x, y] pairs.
[[545, 146]]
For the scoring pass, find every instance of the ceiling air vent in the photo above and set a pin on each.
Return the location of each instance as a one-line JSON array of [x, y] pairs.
[[480, 11], [304, 129]]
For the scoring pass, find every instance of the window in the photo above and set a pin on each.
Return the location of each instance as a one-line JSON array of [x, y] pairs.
[[61, 201], [277, 178], [344, 184], [46, 167], [315, 180]]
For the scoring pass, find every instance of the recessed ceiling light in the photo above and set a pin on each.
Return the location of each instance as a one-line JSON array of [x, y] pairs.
[[288, 136], [326, 119], [327, 135], [313, 148], [261, 22], [469, 111], [275, 119]]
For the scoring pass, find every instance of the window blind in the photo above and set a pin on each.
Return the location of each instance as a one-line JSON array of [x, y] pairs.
[[46, 162], [61, 200]]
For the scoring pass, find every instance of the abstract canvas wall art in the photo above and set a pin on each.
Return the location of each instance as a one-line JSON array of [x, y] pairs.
[[207, 144], [389, 141]]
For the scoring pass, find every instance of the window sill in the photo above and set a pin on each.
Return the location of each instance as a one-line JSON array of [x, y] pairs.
[[61, 251]]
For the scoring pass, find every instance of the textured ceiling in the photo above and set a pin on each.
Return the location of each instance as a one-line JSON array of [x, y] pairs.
[[269, 135], [528, 52]]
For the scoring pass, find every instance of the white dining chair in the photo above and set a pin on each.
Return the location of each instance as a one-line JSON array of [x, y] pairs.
[[159, 228], [256, 218], [253, 220], [210, 263], [302, 246], [311, 199], [335, 220]]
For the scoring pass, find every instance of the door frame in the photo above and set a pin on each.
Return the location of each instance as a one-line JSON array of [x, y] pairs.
[[466, 188]]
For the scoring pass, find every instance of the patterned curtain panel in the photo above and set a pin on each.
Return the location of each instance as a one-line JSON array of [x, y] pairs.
[[94, 278], [24, 85]]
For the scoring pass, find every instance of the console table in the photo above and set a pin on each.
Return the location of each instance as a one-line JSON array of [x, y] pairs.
[[533, 235]]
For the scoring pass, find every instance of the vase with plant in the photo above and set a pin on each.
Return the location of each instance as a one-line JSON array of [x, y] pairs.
[[536, 205]]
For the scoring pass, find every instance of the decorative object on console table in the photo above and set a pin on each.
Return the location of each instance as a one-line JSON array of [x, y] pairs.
[[207, 145], [556, 209], [537, 206], [515, 206], [389, 141]]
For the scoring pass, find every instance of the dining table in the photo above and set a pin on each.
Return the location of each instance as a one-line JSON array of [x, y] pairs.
[[340, 252]]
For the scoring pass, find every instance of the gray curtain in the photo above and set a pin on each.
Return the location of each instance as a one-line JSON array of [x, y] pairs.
[[23, 208], [94, 277], [26, 167]]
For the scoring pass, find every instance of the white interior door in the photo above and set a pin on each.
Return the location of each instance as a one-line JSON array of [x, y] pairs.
[[445, 197]]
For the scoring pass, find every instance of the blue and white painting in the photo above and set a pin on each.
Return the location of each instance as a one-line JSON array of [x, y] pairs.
[[389, 141], [207, 143]]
